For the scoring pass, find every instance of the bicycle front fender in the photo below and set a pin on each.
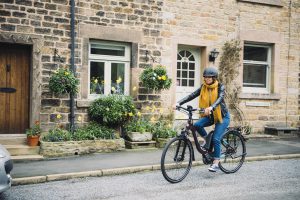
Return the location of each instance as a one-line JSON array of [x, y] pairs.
[[189, 142]]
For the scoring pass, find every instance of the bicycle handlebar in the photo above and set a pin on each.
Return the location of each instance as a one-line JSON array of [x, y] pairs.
[[190, 109]]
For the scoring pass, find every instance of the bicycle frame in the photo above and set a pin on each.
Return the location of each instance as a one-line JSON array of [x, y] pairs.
[[190, 128]]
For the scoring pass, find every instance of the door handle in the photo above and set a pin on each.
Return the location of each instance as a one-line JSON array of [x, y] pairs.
[[8, 67]]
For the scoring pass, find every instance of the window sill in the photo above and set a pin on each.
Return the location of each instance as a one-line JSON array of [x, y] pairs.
[[83, 103], [266, 2], [273, 96]]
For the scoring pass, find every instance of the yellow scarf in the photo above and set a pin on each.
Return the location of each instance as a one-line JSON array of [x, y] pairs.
[[208, 95]]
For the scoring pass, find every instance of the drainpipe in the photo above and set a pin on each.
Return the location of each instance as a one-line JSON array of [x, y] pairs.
[[72, 69]]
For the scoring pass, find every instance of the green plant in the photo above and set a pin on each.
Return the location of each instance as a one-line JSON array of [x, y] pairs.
[[138, 125], [57, 135], [35, 130], [112, 110], [155, 78], [93, 131], [63, 81], [163, 130]]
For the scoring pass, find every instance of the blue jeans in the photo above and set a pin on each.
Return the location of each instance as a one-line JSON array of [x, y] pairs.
[[219, 132]]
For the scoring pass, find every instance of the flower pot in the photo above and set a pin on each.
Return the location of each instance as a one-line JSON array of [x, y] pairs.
[[33, 140], [139, 137]]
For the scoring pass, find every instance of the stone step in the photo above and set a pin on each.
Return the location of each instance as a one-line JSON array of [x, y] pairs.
[[22, 158], [13, 139], [17, 150]]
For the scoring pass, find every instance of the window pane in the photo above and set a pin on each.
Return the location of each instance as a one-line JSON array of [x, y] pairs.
[[117, 78], [97, 78], [178, 65], [191, 74], [178, 82], [184, 82], [178, 74], [191, 83], [184, 74], [192, 66], [255, 53], [255, 76], [192, 58], [101, 49], [184, 65]]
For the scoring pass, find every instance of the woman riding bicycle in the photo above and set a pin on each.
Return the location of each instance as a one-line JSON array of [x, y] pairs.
[[212, 99]]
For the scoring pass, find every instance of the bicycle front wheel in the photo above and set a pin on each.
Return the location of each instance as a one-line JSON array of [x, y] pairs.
[[176, 160], [233, 152]]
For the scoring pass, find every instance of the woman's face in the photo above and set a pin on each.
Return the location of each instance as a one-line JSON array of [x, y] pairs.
[[208, 80]]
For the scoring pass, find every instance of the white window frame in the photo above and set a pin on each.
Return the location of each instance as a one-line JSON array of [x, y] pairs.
[[108, 60], [268, 71]]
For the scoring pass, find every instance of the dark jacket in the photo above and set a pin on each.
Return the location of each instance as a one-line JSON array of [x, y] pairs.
[[220, 99]]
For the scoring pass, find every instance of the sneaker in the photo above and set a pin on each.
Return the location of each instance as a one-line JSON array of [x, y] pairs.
[[214, 168]]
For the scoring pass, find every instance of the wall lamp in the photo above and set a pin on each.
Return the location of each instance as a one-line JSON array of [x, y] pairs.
[[213, 55]]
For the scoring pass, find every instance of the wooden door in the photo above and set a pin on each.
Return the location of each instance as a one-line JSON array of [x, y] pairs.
[[14, 88]]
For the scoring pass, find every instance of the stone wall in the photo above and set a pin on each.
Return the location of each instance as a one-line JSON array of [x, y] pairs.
[[69, 148], [160, 26]]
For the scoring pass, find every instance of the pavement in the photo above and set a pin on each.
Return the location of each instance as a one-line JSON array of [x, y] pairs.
[[259, 147]]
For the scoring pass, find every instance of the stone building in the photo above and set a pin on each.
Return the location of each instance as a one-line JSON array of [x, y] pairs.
[[115, 38]]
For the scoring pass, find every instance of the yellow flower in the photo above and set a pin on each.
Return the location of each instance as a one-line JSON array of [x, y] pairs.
[[58, 116], [161, 110], [67, 73], [130, 114], [139, 114], [152, 119], [103, 82], [96, 81], [79, 118], [164, 77], [147, 108], [119, 80], [113, 89], [134, 88], [159, 77], [169, 125]]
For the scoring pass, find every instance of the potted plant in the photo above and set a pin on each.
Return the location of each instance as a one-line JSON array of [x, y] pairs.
[[162, 132], [33, 134], [63, 81], [138, 130], [155, 78]]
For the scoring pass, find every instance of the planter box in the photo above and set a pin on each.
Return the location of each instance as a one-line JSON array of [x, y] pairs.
[[161, 142], [56, 149], [139, 137]]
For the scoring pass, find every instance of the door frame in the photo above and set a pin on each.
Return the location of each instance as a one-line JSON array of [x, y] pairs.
[[35, 74]]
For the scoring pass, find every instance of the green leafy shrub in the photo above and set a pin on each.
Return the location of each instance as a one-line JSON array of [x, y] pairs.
[[93, 131], [138, 125], [155, 78], [57, 135], [63, 81], [162, 130], [112, 110]]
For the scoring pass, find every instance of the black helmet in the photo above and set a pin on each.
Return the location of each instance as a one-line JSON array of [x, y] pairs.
[[210, 71]]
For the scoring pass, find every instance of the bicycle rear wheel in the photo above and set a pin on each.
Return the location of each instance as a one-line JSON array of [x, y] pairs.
[[233, 152], [176, 160]]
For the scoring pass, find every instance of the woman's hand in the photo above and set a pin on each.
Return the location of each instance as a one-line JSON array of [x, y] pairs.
[[208, 111]]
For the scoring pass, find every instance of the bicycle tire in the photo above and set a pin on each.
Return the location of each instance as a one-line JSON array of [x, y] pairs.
[[176, 160], [233, 152]]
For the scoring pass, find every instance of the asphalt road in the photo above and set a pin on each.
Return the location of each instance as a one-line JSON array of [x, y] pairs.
[[273, 179]]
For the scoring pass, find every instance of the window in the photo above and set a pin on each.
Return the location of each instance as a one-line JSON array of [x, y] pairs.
[[185, 69], [256, 69], [108, 68]]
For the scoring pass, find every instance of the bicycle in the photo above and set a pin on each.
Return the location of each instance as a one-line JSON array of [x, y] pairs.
[[178, 154]]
